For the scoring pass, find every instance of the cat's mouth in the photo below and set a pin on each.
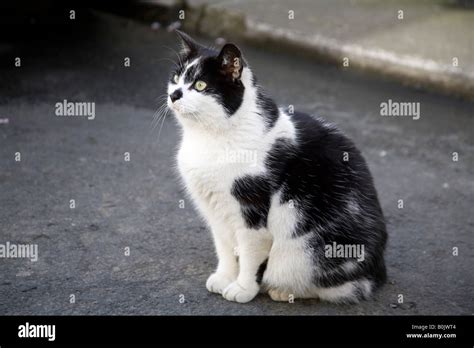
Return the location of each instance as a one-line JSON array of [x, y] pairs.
[[182, 111]]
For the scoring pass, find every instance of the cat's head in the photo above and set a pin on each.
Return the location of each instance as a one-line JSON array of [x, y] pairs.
[[207, 87]]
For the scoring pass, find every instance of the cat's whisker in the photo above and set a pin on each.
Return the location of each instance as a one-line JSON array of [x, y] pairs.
[[163, 113], [177, 55], [162, 122], [198, 119], [169, 60], [157, 116], [164, 96]]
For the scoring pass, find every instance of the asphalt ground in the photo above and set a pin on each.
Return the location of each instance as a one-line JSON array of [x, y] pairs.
[[138, 205]]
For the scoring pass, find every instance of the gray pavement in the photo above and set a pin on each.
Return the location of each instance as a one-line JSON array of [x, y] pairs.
[[428, 43], [136, 204]]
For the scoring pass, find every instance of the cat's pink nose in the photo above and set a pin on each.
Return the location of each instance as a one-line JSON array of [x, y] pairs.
[[177, 94]]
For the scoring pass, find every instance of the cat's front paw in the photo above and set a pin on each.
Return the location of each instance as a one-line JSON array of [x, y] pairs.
[[217, 282], [235, 292]]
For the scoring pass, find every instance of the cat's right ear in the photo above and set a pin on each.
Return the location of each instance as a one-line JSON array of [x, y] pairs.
[[230, 60], [188, 45]]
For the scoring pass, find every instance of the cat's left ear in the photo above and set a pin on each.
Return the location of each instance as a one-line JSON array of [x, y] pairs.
[[188, 45], [231, 61]]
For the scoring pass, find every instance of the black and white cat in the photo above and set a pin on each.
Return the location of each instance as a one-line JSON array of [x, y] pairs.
[[288, 197]]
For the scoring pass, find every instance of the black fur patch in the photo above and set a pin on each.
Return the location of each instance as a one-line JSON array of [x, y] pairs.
[[229, 93], [269, 109], [253, 194], [314, 175], [261, 270]]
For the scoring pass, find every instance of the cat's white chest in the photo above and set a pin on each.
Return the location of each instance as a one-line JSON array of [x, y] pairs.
[[201, 170], [209, 169], [207, 179]]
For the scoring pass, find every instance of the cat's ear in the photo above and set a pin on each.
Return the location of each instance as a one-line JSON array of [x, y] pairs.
[[188, 45], [230, 60]]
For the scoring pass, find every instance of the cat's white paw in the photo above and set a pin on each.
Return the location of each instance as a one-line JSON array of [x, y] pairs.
[[235, 292], [217, 282], [278, 295]]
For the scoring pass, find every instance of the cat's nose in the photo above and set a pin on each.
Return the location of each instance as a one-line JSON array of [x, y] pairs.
[[176, 95]]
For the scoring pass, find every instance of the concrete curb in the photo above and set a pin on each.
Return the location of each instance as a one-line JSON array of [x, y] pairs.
[[217, 21], [406, 69]]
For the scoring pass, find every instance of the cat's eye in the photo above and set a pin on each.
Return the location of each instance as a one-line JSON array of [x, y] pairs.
[[200, 85], [175, 78]]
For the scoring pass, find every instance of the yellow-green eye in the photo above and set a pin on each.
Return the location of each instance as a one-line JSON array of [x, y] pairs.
[[175, 78], [200, 85]]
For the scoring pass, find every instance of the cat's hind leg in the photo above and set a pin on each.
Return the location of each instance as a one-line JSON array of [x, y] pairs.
[[280, 295], [289, 273]]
